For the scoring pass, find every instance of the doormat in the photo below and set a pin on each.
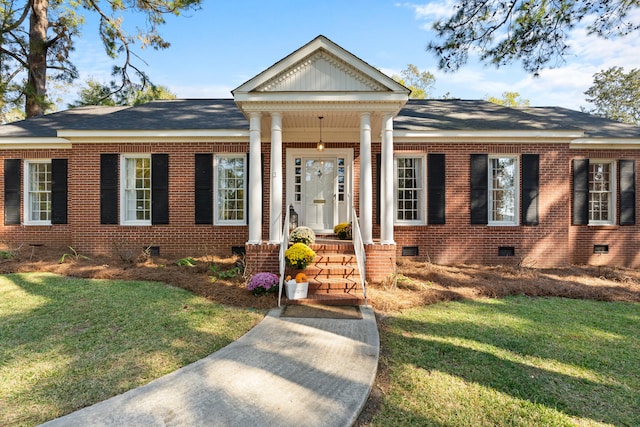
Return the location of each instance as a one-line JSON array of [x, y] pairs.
[[322, 312]]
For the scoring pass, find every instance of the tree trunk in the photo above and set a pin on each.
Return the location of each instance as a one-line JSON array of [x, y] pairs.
[[37, 59]]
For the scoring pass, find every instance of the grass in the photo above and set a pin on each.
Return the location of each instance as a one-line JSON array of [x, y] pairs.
[[67, 343], [516, 361]]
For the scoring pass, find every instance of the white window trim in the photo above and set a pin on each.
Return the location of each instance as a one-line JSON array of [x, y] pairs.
[[422, 209], [613, 191], [216, 220], [26, 202], [123, 177], [516, 184]]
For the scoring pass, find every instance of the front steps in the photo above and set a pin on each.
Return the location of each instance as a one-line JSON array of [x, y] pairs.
[[333, 276]]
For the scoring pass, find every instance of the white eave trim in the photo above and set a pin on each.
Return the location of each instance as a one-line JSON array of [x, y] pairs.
[[191, 134], [466, 135], [381, 97], [606, 143], [34, 143]]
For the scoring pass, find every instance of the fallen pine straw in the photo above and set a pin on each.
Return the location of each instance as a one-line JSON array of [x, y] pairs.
[[414, 283]]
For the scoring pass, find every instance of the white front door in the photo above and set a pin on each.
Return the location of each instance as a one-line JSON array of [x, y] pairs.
[[319, 189]]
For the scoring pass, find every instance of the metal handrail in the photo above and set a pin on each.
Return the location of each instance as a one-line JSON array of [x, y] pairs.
[[361, 257], [284, 243]]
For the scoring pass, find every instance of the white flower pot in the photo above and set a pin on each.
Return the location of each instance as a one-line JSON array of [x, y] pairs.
[[297, 290]]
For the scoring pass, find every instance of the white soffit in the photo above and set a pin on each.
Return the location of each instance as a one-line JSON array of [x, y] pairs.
[[606, 143], [504, 135], [34, 143]]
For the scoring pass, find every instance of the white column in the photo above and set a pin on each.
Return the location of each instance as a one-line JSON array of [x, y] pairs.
[[275, 200], [255, 181], [386, 182], [366, 181]]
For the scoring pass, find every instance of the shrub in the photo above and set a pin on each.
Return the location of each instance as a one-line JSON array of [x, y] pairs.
[[303, 234], [343, 230], [263, 283], [299, 255]]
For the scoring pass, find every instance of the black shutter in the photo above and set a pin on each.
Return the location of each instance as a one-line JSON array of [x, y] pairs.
[[58, 191], [108, 188], [580, 192], [246, 186], [378, 184], [479, 188], [12, 191], [436, 189], [627, 192], [530, 188], [159, 189], [203, 189]]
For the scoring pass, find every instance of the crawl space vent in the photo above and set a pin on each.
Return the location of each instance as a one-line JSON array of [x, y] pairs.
[[506, 251], [238, 250], [409, 251], [600, 249]]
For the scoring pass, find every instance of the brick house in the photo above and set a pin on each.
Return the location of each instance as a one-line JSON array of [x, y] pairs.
[[452, 181]]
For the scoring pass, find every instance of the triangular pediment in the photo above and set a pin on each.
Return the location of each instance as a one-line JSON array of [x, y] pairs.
[[321, 72], [320, 66]]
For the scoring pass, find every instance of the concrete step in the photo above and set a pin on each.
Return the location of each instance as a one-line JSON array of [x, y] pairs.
[[327, 299]]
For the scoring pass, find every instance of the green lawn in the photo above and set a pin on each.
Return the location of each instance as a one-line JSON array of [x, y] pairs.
[[67, 343], [513, 362]]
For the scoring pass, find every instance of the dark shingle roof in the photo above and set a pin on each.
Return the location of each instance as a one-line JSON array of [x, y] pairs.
[[594, 126], [48, 125], [479, 115], [175, 114], [417, 115]]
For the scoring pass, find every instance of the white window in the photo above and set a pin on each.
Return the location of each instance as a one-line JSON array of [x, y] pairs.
[[135, 180], [601, 192], [37, 197], [230, 191], [503, 190], [409, 195]]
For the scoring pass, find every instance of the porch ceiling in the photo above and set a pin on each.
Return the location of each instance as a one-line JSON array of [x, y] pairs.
[[337, 126]]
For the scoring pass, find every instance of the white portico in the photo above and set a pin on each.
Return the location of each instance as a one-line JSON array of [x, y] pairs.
[[320, 92]]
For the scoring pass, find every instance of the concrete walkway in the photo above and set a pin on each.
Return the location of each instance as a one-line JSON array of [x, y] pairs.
[[283, 372]]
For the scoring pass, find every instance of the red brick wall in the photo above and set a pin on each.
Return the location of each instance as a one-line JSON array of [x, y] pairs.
[[459, 241], [623, 241], [181, 237], [553, 242], [13, 236]]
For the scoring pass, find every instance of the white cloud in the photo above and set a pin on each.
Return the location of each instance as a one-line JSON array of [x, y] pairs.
[[431, 10]]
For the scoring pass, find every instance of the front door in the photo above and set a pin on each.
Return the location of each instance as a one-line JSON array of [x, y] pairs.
[[319, 193], [319, 187]]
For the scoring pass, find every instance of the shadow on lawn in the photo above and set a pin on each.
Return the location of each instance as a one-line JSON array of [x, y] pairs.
[[89, 340], [579, 282], [560, 337]]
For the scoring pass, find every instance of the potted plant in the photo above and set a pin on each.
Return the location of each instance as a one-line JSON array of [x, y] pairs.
[[263, 283], [297, 288], [303, 234], [299, 256], [343, 230]]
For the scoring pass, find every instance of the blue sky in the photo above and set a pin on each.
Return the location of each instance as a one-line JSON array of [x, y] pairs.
[[219, 47]]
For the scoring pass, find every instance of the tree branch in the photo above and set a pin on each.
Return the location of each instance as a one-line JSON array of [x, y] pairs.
[[22, 62], [25, 13]]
